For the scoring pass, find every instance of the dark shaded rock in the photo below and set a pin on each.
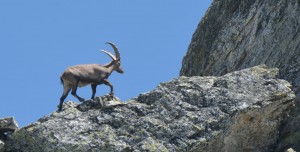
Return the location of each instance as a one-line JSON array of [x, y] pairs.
[[7, 127], [1, 146], [240, 111]]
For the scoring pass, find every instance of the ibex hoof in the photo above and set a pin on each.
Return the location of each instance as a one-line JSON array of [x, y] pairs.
[[59, 108], [81, 100]]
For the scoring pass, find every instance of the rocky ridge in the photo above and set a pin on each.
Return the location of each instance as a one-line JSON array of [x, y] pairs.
[[240, 111]]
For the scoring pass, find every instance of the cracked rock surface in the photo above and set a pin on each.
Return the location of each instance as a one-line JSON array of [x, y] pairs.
[[240, 111]]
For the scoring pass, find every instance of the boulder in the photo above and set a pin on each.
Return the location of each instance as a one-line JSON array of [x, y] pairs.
[[7, 127]]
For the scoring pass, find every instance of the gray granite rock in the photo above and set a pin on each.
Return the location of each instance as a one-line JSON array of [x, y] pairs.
[[237, 34], [7, 127], [8, 122], [240, 111]]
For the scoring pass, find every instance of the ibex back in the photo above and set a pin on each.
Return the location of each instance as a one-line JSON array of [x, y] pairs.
[[90, 74]]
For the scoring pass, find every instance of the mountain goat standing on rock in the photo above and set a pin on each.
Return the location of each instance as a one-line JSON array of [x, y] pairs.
[[94, 74]]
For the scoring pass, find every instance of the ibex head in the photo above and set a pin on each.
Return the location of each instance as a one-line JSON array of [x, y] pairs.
[[116, 59]]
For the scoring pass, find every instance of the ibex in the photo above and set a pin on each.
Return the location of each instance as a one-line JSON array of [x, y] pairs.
[[94, 74]]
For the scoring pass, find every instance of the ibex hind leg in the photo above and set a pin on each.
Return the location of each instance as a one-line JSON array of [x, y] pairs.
[[63, 97]]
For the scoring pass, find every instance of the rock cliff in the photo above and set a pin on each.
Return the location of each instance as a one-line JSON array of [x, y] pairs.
[[240, 111], [237, 34]]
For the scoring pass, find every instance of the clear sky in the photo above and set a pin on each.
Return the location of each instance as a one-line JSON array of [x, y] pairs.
[[40, 39]]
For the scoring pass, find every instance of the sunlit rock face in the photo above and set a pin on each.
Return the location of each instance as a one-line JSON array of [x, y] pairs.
[[240, 111]]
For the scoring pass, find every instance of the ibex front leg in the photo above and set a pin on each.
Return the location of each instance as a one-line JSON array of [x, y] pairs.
[[94, 87], [74, 89], [110, 85]]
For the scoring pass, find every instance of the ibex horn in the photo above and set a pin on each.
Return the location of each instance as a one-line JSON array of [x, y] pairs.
[[109, 54], [115, 49]]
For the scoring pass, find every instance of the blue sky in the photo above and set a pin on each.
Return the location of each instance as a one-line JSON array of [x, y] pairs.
[[40, 39]]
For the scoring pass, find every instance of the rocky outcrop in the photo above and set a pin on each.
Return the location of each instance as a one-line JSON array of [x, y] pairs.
[[7, 127], [240, 111], [236, 34]]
